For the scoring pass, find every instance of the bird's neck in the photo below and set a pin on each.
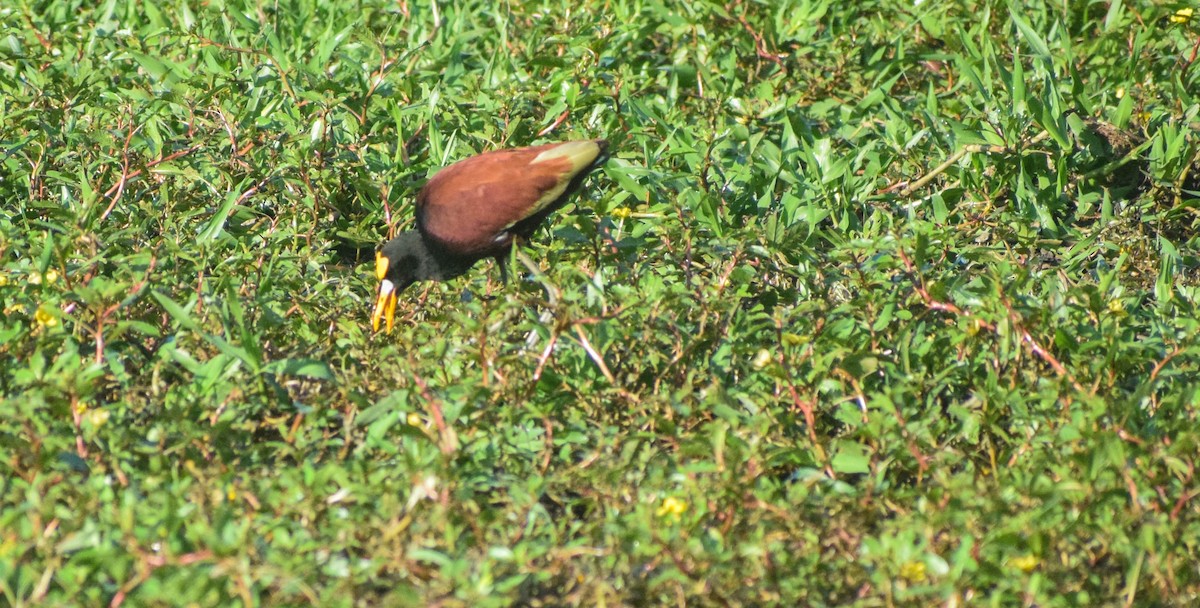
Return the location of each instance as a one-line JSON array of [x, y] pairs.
[[435, 264]]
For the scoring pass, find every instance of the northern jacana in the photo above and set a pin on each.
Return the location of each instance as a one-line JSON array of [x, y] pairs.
[[475, 209]]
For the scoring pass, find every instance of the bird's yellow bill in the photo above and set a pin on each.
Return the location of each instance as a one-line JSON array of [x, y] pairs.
[[385, 305]]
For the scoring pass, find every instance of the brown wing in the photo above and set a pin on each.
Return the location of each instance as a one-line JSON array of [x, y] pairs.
[[470, 206]]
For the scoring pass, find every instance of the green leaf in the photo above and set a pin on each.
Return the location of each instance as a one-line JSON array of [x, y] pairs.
[[1028, 33], [620, 171], [177, 312], [217, 224], [307, 368], [850, 458]]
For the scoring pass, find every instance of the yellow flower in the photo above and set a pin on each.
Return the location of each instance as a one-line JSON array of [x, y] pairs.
[[622, 212], [672, 508], [1024, 563], [3, 279], [1116, 307], [1183, 15], [414, 419], [50, 276], [35, 278], [974, 326], [790, 339], [913, 572], [761, 359], [10, 545], [1120, 92], [97, 417], [44, 317]]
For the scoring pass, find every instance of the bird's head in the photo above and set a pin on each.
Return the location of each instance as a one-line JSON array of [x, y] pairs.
[[397, 265]]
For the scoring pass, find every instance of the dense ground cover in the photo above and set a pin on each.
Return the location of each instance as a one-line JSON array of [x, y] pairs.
[[882, 303]]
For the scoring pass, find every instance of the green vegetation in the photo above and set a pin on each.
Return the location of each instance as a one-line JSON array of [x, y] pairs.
[[780, 368]]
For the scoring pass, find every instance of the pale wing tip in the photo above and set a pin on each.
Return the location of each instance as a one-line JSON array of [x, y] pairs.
[[579, 153]]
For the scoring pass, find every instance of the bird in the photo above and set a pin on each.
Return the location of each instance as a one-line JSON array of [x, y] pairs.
[[478, 208]]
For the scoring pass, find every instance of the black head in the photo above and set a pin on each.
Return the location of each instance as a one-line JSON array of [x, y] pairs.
[[397, 265], [405, 260]]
